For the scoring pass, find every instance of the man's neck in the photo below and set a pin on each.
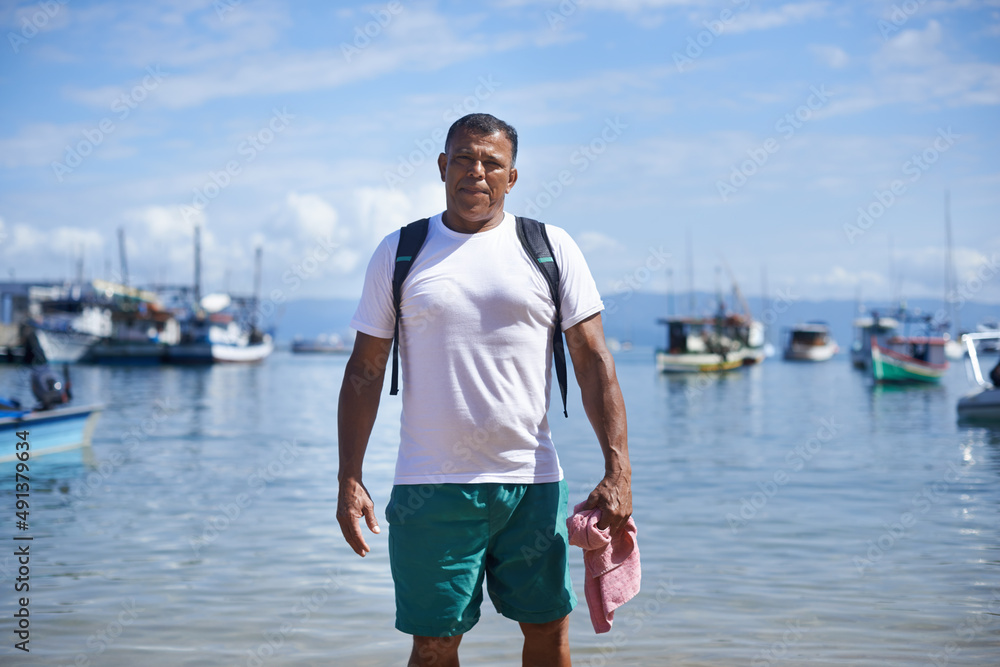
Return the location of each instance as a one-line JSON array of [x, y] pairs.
[[462, 226]]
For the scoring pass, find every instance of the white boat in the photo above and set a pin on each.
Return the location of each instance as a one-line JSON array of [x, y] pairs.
[[699, 345], [983, 403], [217, 340], [64, 346], [66, 334], [865, 330], [810, 342]]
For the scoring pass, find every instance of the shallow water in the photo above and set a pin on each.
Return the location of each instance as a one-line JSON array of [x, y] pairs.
[[788, 514]]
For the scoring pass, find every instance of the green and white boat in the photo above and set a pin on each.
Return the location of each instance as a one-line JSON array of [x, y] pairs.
[[908, 359]]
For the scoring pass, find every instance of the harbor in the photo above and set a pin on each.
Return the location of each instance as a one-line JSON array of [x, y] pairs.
[[868, 523]]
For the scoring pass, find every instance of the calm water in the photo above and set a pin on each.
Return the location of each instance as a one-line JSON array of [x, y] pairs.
[[788, 514]]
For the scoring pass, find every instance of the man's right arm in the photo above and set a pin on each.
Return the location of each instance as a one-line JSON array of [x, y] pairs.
[[359, 398]]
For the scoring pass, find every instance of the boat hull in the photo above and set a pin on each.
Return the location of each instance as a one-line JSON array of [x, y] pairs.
[[210, 353], [693, 362], [811, 352], [64, 346], [50, 431], [889, 366], [981, 405]]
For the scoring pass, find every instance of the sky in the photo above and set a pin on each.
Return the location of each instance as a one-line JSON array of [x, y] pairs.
[[805, 145]]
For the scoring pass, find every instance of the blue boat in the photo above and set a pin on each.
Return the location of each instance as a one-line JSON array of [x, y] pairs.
[[49, 431]]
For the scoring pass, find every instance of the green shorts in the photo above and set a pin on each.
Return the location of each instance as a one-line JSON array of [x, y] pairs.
[[444, 539]]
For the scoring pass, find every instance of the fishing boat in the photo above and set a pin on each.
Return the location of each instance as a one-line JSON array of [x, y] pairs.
[[51, 426], [867, 329], [70, 327], [908, 359], [983, 403], [810, 342], [218, 338], [48, 431], [699, 345]]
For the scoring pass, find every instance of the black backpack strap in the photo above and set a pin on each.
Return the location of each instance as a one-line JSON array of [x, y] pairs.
[[535, 240], [411, 239]]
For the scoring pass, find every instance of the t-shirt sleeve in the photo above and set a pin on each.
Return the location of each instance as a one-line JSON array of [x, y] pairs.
[[577, 289], [375, 315]]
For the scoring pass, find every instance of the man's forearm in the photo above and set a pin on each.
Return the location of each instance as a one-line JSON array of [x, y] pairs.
[[356, 411], [605, 408]]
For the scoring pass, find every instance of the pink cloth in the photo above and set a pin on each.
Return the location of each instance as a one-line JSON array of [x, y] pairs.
[[612, 565]]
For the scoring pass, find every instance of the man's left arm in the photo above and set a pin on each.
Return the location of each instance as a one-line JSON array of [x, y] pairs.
[[602, 400]]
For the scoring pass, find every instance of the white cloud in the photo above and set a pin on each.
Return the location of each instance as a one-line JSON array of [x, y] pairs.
[[833, 56], [838, 276], [591, 241], [785, 15], [314, 216]]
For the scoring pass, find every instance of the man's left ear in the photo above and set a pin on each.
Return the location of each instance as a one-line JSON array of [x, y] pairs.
[[511, 180]]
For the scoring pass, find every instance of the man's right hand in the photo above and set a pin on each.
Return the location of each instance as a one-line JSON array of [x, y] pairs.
[[353, 502]]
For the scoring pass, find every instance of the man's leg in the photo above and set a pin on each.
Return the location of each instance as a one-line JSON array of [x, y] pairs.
[[546, 644], [435, 652]]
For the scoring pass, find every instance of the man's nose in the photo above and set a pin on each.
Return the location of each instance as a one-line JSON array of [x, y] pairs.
[[477, 169]]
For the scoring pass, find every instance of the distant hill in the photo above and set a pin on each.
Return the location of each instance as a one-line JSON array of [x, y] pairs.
[[633, 316]]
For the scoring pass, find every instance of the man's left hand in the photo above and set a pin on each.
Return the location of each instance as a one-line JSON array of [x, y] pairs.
[[613, 496]]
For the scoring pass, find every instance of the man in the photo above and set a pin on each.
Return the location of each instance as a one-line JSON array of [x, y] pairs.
[[478, 491]]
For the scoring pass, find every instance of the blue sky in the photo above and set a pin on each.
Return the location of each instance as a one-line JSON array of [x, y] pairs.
[[312, 129]]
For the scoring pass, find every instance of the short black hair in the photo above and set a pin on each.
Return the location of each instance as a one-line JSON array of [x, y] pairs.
[[484, 123]]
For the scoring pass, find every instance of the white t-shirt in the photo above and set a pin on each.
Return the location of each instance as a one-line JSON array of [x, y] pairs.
[[476, 351]]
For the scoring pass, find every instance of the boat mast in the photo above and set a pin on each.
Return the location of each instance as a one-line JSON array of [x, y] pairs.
[[197, 266], [949, 268], [690, 263], [122, 256], [257, 262]]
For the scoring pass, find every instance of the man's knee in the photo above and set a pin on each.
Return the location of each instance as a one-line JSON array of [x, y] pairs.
[[556, 628], [435, 650]]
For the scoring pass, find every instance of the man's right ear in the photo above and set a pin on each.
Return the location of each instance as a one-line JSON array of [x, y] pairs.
[[442, 164]]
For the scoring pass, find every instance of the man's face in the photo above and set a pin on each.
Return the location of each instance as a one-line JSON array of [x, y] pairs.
[[477, 174]]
